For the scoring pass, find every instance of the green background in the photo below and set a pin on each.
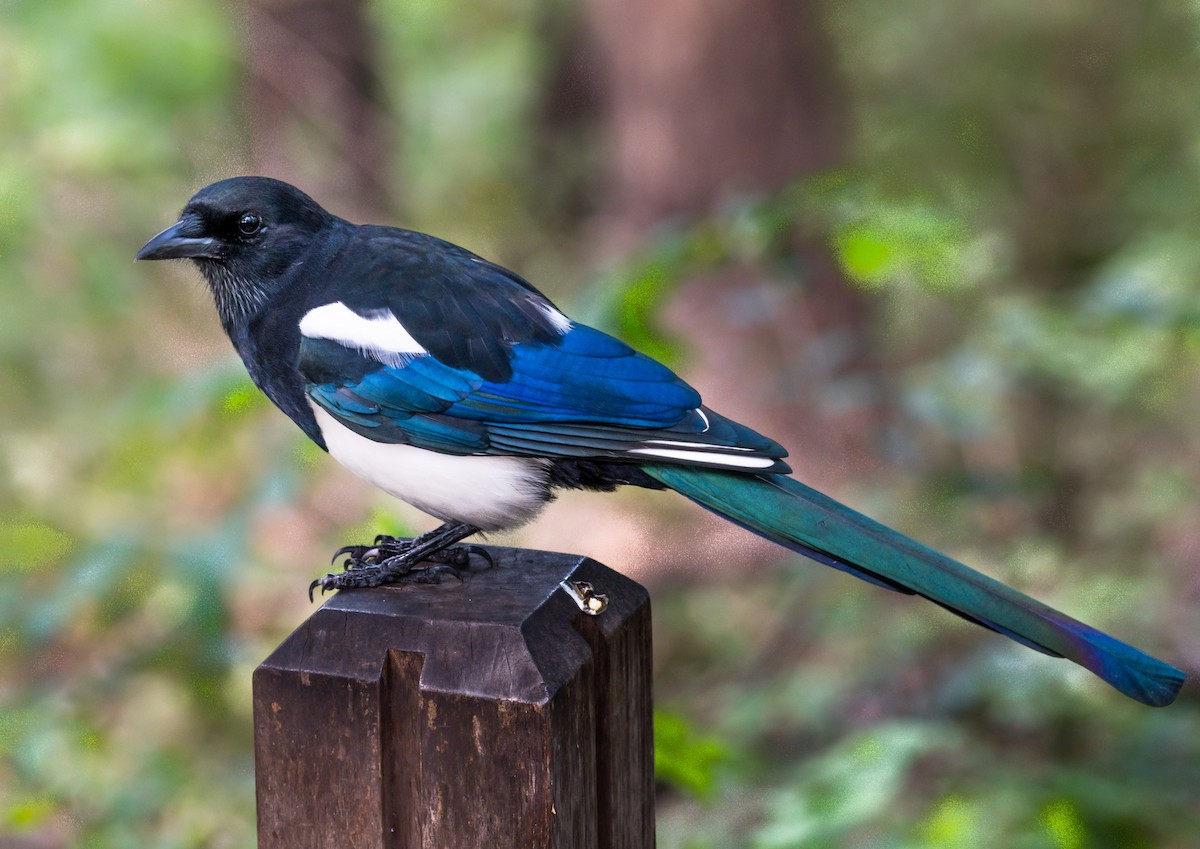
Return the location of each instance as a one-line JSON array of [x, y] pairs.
[[159, 521]]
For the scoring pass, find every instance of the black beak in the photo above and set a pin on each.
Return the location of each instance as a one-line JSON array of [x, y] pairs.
[[183, 239]]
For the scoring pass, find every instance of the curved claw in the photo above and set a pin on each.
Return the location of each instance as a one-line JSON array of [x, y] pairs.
[[482, 552], [317, 583], [359, 553], [355, 551], [357, 556]]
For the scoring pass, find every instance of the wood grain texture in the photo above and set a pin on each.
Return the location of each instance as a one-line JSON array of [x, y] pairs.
[[490, 712]]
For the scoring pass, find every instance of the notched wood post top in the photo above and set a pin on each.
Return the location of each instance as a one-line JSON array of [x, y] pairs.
[[506, 632]]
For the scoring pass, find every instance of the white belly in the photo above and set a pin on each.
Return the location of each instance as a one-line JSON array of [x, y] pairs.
[[491, 493]]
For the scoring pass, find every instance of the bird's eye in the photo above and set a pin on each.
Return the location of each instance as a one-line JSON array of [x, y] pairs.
[[249, 224]]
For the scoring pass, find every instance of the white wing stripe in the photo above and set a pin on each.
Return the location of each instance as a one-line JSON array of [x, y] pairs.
[[707, 457], [381, 336]]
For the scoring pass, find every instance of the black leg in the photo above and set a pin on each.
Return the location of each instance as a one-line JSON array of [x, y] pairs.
[[391, 560]]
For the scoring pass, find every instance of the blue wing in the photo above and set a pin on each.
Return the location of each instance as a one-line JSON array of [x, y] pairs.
[[584, 395]]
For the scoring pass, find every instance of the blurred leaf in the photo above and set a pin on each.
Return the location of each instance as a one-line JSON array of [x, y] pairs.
[[683, 757], [32, 546], [242, 398], [954, 824], [1065, 826], [642, 294], [26, 814], [865, 255]]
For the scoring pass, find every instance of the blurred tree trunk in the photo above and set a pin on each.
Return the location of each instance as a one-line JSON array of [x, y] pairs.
[[313, 101], [706, 101]]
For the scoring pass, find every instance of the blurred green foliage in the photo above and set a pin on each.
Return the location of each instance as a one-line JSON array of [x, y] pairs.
[[683, 758], [1020, 200]]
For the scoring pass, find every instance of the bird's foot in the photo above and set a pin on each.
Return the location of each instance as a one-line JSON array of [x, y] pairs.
[[386, 547], [391, 561], [401, 569]]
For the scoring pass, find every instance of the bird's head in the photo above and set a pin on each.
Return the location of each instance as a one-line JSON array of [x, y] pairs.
[[243, 233]]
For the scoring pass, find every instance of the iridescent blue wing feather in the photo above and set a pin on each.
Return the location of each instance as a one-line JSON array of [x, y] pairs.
[[582, 395]]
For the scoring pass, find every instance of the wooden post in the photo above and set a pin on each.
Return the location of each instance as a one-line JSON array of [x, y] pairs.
[[488, 713]]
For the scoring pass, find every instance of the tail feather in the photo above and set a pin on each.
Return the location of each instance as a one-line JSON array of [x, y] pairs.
[[793, 515]]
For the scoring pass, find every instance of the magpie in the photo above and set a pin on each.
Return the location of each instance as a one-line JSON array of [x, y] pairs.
[[453, 384]]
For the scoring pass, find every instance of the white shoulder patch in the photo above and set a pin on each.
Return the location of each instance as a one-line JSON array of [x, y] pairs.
[[561, 323], [380, 336]]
